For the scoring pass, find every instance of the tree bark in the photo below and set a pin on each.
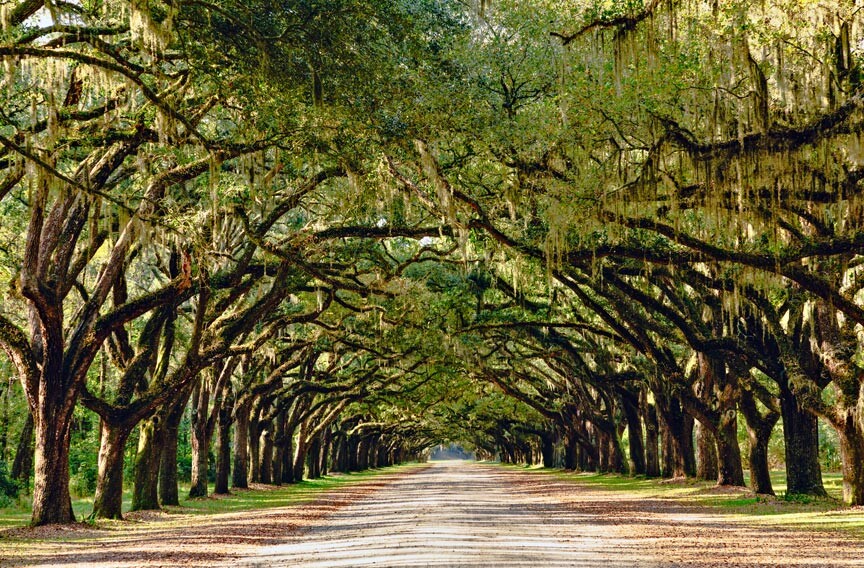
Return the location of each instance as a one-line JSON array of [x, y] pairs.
[[278, 448], [852, 450], [570, 450], [240, 474], [169, 491], [759, 430], [313, 458], [288, 458], [108, 502], [52, 502], [326, 448], [145, 491], [801, 435], [265, 463], [548, 450], [676, 446], [652, 433], [706, 464], [630, 404], [254, 446], [300, 459], [199, 440], [223, 450], [730, 470]]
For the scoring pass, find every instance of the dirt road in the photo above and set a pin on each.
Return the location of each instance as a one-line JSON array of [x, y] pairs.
[[455, 514], [462, 514]]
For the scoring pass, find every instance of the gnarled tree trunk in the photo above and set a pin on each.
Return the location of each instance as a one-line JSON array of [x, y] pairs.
[[108, 502], [801, 435]]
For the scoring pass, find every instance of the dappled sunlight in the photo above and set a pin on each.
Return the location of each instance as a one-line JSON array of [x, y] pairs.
[[460, 514]]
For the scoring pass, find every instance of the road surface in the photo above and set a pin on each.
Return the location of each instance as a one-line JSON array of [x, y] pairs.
[[460, 514]]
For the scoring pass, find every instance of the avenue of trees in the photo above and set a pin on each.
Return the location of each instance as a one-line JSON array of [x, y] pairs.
[[252, 242]]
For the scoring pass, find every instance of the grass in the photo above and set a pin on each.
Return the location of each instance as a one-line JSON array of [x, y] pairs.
[[18, 515], [802, 512]]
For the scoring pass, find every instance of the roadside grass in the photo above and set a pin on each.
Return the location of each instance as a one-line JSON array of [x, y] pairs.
[[260, 497], [798, 512]]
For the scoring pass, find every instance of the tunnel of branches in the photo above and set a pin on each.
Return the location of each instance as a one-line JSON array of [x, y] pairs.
[[304, 236]]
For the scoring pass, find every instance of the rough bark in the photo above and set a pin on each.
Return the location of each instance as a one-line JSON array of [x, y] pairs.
[[706, 464], [759, 430], [223, 451], [239, 475], [253, 452], [652, 434], [801, 435], [288, 459], [852, 450], [169, 491], [730, 471], [326, 448], [52, 502], [630, 404], [199, 440], [108, 502], [145, 491], [299, 464]]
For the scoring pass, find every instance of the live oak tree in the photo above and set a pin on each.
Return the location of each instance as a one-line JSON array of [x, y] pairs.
[[337, 233]]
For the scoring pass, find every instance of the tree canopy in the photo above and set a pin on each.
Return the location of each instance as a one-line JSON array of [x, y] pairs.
[[333, 234]]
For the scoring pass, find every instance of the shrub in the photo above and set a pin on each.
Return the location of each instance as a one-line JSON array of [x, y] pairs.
[[8, 486]]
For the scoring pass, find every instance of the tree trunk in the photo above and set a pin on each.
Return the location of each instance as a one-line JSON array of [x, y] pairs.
[[108, 502], [288, 458], [313, 458], [223, 455], [169, 491], [652, 434], [730, 471], [353, 453], [254, 448], [603, 446], [240, 474], [200, 443], [852, 452], [299, 464], [669, 465], [326, 446], [278, 448], [801, 434], [706, 465], [687, 449], [277, 462], [759, 430], [340, 453], [678, 457], [570, 450], [363, 454], [617, 463], [52, 502], [145, 491], [548, 450], [630, 404], [265, 463]]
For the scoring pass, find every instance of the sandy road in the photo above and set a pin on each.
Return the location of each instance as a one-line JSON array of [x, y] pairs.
[[456, 514], [462, 514]]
